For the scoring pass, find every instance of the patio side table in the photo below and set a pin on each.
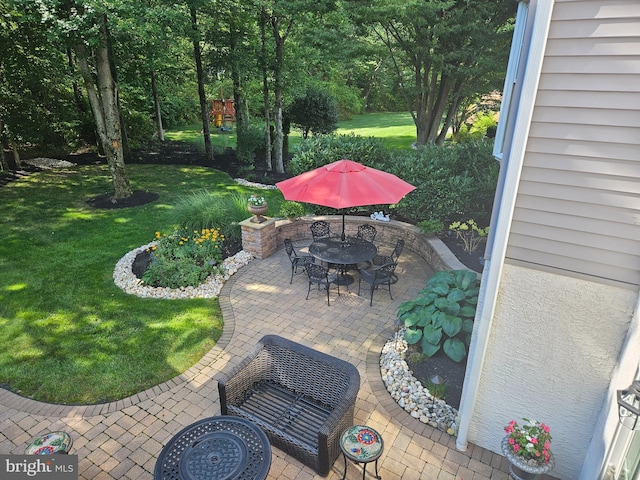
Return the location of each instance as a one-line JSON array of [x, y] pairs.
[[49, 443], [226, 447], [361, 444]]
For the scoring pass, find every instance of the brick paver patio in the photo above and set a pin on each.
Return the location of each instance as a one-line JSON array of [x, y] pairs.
[[121, 440]]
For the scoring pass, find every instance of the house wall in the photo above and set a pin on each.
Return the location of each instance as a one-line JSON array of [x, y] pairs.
[[554, 345], [577, 209]]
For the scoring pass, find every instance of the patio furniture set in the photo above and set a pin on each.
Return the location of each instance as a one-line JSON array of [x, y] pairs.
[[285, 395], [341, 254]]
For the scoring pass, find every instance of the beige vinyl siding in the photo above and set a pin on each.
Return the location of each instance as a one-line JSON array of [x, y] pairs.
[[578, 204]]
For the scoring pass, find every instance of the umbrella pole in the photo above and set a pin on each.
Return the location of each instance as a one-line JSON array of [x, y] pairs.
[[343, 236]]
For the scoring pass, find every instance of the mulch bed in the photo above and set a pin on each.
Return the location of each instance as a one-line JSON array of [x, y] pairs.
[[107, 200]]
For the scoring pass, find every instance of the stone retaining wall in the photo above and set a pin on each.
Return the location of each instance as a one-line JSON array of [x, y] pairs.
[[262, 240]]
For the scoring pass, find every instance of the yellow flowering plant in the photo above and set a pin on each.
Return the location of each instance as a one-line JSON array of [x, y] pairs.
[[184, 257], [470, 234]]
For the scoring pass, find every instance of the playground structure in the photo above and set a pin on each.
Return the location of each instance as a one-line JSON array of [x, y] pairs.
[[223, 114]]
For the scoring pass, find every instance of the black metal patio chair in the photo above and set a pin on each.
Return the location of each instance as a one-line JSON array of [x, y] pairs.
[[320, 229], [298, 262], [392, 257], [320, 275], [367, 232], [382, 275]]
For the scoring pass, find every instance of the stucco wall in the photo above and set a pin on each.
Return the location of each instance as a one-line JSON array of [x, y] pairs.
[[554, 344]]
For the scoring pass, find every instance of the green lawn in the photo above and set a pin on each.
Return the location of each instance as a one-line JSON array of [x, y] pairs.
[[397, 130], [67, 333]]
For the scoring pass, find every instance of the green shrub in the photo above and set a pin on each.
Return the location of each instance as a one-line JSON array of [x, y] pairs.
[[315, 111], [249, 141], [483, 122], [431, 227], [324, 149], [441, 316], [291, 210], [454, 182], [184, 257]]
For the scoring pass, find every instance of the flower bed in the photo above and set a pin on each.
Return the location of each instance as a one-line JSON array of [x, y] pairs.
[[125, 279]]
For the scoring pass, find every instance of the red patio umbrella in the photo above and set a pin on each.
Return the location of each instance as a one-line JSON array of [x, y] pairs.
[[345, 184]]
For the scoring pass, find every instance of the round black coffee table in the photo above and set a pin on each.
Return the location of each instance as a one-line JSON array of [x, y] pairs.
[[224, 447]]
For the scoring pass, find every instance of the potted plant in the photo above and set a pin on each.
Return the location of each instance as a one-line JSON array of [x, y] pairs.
[[527, 447], [258, 207]]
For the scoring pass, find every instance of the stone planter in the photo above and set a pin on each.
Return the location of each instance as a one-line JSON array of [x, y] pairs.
[[520, 469], [258, 211]]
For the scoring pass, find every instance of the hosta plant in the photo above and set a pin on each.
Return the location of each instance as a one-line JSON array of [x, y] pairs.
[[441, 316]]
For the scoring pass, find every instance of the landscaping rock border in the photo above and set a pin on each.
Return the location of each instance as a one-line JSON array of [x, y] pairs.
[[125, 279]]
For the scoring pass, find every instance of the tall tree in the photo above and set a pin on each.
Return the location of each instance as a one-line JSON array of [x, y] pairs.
[[103, 98], [282, 17], [439, 49], [197, 55], [265, 87]]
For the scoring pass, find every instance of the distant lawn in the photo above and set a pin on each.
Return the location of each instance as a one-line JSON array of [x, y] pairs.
[[67, 333], [397, 130]]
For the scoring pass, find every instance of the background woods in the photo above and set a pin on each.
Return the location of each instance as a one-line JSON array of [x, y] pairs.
[[115, 74]]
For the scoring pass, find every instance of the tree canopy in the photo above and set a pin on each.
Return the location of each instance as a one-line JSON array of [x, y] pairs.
[[69, 69]]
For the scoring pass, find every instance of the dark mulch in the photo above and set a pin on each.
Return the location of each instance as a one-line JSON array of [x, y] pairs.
[[472, 260], [141, 263], [451, 372], [107, 201]]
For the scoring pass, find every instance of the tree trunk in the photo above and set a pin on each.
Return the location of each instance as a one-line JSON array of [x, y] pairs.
[[156, 104], [265, 92], [279, 39], [242, 120], [76, 89], [126, 147], [92, 94], [109, 95], [3, 158], [204, 110], [16, 154]]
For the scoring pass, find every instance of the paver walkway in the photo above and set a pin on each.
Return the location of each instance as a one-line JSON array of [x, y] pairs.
[[121, 440]]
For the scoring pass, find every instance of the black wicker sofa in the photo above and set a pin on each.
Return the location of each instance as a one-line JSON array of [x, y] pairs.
[[302, 399]]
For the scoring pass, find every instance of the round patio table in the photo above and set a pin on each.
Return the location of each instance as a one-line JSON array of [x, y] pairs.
[[351, 251], [225, 447]]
